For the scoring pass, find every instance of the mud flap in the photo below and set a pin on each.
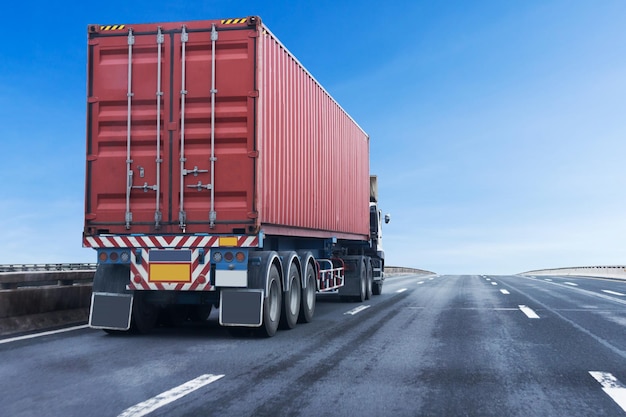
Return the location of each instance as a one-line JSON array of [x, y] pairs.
[[241, 308], [354, 269], [110, 311]]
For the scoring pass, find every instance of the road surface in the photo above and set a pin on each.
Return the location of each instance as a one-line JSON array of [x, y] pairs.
[[428, 346]]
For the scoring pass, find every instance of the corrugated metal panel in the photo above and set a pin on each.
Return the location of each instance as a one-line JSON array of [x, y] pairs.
[[314, 163], [107, 138], [290, 160]]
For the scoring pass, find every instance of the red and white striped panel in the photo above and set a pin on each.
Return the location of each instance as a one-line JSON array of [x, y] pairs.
[[164, 241], [139, 268], [139, 276]]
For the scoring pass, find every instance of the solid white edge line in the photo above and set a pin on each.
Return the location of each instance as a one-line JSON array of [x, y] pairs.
[[614, 293], [612, 387], [505, 292], [357, 310], [528, 311], [401, 290], [32, 336], [167, 397]]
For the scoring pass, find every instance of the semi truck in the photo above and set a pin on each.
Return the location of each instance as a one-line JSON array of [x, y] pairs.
[[221, 174]]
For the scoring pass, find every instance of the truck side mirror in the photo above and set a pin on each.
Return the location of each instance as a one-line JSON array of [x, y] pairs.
[[387, 218]]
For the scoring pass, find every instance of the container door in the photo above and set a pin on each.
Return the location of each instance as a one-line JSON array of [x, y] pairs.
[[170, 137]]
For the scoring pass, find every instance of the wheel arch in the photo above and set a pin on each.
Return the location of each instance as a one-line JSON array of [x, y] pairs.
[[288, 260], [259, 268], [307, 261]]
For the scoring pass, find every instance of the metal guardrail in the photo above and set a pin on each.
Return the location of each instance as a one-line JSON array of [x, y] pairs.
[[47, 267], [34, 275]]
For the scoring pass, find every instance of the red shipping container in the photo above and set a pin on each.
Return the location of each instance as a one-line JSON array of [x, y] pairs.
[[215, 127]]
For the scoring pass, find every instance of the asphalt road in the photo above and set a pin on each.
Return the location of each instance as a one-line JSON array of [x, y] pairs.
[[428, 346]]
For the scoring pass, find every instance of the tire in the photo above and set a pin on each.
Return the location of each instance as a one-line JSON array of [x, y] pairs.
[[272, 304], [291, 300], [363, 284], [369, 273], [308, 298], [377, 288], [144, 315]]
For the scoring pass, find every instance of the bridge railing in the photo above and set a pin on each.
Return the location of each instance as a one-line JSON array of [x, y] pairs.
[[47, 267], [618, 272], [31, 275], [39, 296], [392, 270]]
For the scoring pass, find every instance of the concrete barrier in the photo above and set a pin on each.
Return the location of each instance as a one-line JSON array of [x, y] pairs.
[[394, 270], [615, 272], [33, 300]]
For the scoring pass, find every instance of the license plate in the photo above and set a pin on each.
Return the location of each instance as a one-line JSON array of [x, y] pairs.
[[170, 265]]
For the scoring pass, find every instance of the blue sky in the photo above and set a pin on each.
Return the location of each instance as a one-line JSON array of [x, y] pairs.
[[497, 128]]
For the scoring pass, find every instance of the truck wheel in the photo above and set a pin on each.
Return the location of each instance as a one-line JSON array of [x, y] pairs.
[[370, 278], [307, 305], [377, 288], [144, 316], [291, 301], [272, 304], [363, 284]]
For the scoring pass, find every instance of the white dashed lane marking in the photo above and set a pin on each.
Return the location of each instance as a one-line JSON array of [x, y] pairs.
[[505, 292], [571, 283], [612, 387], [357, 310], [614, 293], [529, 312], [401, 290]]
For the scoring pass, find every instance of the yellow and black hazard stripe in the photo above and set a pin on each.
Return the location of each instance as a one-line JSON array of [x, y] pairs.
[[112, 27], [234, 21]]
